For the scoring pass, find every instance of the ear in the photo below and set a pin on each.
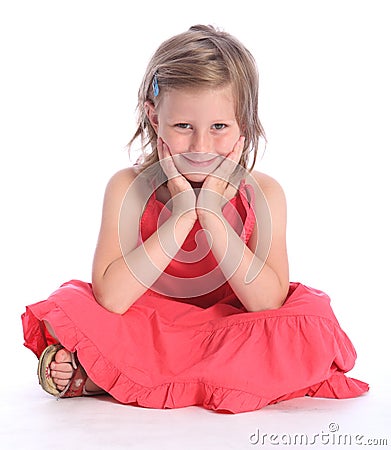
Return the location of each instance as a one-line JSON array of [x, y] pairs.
[[152, 115]]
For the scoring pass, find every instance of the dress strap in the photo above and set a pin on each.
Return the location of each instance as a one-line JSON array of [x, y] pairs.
[[247, 198], [243, 202]]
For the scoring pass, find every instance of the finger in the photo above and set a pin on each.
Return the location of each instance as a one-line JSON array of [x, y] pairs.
[[231, 161], [170, 167], [237, 151], [162, 152], [165, 159], [159, 148], [225, 169]]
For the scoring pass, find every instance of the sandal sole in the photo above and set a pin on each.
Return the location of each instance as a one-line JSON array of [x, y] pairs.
[[45, 380]]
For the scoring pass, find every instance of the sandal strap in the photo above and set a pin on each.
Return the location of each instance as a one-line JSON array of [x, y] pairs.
[[45, 380], [75, 387]]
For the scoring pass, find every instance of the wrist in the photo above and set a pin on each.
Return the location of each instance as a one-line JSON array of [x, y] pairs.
[[209, 204], [207, 216], [187, 219]]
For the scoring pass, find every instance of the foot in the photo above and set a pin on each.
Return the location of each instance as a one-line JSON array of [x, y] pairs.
[[61, 371]]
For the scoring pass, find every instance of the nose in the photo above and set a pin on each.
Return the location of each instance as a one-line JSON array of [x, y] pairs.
[[201, 143]]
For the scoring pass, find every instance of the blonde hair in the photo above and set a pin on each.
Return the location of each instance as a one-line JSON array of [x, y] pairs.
[[202, 57]]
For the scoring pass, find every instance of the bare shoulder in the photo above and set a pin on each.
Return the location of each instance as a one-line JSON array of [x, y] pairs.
[[127, 183], [122, 179], [269, 187]]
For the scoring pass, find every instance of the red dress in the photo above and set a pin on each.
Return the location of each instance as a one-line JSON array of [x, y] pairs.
[[168, 352]]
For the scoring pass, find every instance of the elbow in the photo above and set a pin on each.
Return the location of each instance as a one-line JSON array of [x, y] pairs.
[[281, 295], [274, 302], [277, 304], [109, 302], [268, 307], [113, 308]]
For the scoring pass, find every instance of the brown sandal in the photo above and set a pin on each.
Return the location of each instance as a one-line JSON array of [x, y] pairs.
[[76, 385]]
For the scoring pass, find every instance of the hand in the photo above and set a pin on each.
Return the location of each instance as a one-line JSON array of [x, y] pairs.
[[211, 196], [183, 197]]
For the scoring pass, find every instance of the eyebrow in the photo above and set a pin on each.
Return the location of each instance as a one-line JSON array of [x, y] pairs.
[[188, 120]]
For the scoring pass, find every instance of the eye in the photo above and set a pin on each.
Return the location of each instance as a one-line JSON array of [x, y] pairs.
[[219, 126], [183, 126]]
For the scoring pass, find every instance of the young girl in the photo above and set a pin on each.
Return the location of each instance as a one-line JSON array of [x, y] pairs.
[[190, 301]]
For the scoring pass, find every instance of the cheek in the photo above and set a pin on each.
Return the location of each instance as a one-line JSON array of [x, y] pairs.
[[225, 144], [180, 143], [176, 143]]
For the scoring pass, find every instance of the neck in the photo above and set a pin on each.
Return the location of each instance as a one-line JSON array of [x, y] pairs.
[[196, 185]]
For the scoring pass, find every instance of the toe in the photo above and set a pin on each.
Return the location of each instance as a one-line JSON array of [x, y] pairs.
[[60, 384], [63, 356], [61, 369], [61, 375]]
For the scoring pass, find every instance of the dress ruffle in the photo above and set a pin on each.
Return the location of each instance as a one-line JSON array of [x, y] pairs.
[[167, 354], [175, 351]]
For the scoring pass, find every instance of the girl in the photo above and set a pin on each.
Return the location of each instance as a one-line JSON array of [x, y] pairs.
[[190, 301]]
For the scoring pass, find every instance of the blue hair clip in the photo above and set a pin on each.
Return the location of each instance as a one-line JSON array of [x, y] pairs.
[[155, 86]]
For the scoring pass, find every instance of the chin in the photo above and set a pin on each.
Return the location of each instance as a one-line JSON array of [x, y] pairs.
[[196, 174], [195, 177]]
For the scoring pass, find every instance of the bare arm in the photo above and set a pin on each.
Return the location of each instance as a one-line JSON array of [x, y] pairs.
[[122, 272], [258, 272]]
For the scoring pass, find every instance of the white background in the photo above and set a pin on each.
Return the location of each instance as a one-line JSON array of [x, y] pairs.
[[70, 72]]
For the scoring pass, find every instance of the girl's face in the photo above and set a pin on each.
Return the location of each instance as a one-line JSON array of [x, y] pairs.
[[199, 127]]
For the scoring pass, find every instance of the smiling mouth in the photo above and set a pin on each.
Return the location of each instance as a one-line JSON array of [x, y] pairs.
[[199, 163]]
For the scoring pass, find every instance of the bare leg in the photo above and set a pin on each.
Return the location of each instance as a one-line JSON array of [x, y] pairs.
[[50, 329]]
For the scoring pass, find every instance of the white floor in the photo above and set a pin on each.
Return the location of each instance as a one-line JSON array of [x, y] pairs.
[[31, 419], [327, 122]]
